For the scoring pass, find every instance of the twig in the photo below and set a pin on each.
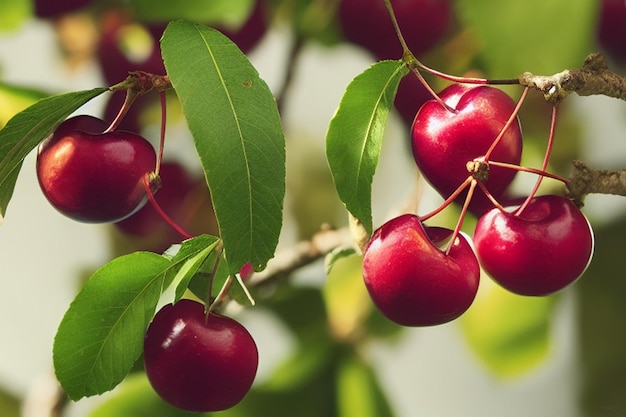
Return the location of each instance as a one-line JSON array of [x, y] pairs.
[[588, 181], [593, 78]]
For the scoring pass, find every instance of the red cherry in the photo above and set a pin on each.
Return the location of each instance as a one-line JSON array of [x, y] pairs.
[[411, 96], [253, 29], [48, 8], [444, 141], [116, 60], [199, 364], [185, 198], [541, 251], [411, 280], [94, 177], [367, 23], [611, 29]]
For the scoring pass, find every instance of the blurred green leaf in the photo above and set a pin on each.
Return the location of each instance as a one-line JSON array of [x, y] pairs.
[[543, 37], [359, 393], [237, 131], [13, 13], [9, 405], [601, 320], [355, 135], [301, 367], [28, 128], [510, 334], [14, 99], [230, 13], [101, 334], [136, 398], [348, 303]]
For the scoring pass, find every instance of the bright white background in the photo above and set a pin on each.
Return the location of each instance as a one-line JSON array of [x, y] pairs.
[[431, 373]]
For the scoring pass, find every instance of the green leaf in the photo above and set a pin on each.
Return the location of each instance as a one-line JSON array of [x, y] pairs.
[[136, 398], [355, 135], [13, 13], [510, 334], [28, 128], [558, 35], [101, 334], [236, 128], [14, 99], [225, 12], [358, 390], [191, 255]]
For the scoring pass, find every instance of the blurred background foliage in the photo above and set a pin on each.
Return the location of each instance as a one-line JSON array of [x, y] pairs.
[[330, 318]]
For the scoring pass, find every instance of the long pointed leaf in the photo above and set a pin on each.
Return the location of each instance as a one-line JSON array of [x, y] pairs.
[[355, 135], [29, 127], [236, 127], [101, 334]]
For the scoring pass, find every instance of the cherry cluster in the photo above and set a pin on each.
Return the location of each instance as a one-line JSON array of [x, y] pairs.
[[102, 171], [467, 143]]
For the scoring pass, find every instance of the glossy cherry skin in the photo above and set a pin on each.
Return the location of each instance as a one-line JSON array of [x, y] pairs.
[[411, 280], [199, 364], [541, 251], [367, 23], [444, 141], [94, 177], [611, 29]]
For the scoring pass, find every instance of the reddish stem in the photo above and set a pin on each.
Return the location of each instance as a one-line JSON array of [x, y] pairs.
[[544, 165], [131, 95], [491, 198], [162, 135], [459, 224], [157, 207], [530, 170], [508, 124], [448, 200]]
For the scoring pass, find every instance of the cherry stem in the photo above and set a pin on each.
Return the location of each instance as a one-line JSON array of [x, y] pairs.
[[508, 124], [221, 294], [448, 200], [459, 223], [157, 169], [491, 198], [147, 181], [131, 95], [530, 171], [544, 165]]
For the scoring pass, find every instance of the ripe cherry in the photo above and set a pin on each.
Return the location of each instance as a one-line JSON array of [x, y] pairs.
[[611, 29], [94, 177], [444, 141], [253, 29], [185, 198], [48, 9], [412, 280], [367, 23], [128, 46], [538, 252], [199, 363]]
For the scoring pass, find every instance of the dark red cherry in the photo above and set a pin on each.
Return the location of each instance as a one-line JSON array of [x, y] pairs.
[[55, 8], [94, 177], [445, 141], [367, 23], [412, 280], [538, 252], [199, 363], [611, 29]]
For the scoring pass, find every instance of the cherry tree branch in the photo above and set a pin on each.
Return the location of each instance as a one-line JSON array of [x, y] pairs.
[[593, 78], [588, 181]]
